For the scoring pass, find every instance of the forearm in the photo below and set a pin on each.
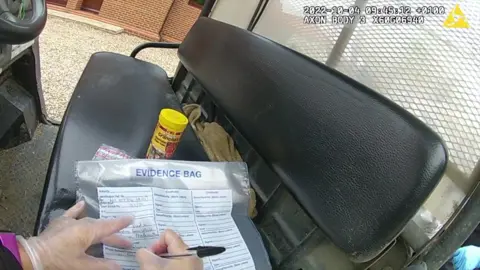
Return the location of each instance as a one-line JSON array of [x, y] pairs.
[[25, 259]]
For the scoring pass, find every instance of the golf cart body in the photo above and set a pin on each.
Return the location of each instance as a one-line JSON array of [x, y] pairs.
[[270, 106], [339, 170], [21, 98]]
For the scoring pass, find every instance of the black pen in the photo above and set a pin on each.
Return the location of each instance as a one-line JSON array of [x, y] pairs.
[[200, 251]]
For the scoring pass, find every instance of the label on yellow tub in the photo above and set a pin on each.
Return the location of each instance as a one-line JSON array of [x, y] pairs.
[[169, 130]]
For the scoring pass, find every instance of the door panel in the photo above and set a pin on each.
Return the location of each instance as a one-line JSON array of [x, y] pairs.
[[58, 2], [244, 11], [92, 5]]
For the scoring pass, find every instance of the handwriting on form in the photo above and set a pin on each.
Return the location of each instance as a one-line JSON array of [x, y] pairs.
[[200, 217]]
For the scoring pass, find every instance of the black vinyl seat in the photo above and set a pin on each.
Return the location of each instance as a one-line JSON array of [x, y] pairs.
[[116, 102], [359, 164]]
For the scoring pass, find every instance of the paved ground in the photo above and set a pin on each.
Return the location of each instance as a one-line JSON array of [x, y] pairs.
[[23, 170], [65, 47]]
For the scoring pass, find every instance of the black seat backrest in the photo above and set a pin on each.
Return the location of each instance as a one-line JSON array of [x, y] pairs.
[[359, 164]]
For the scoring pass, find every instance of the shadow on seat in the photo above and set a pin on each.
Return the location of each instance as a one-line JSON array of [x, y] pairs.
[[360, 165]]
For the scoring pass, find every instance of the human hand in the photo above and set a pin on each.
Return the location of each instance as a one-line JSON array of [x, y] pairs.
[[63, 243], [466, 258], [169, 242]]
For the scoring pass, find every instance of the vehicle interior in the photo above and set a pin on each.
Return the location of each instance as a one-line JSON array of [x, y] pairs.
[[338, 169]]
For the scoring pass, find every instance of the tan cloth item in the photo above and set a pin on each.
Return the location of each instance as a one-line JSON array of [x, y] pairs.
[[218, 145]]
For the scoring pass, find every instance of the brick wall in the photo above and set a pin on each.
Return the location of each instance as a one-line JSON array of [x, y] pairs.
[[179, 20], [147, 15], [147, 18]]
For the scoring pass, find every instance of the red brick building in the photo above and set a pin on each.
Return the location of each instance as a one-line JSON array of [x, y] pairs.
[[168, 20]]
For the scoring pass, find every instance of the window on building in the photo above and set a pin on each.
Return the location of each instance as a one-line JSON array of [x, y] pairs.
[[196, 3]]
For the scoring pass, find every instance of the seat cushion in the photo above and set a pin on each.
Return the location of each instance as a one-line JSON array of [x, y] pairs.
[[359, 164], [116, 102]]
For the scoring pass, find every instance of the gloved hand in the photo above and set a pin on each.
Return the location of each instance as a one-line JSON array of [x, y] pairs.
[[62, 245], [169, 242], [466, 258]]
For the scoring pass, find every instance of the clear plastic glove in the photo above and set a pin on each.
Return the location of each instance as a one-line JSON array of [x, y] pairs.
[[169, 242], [466, 258], [63, 244]]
